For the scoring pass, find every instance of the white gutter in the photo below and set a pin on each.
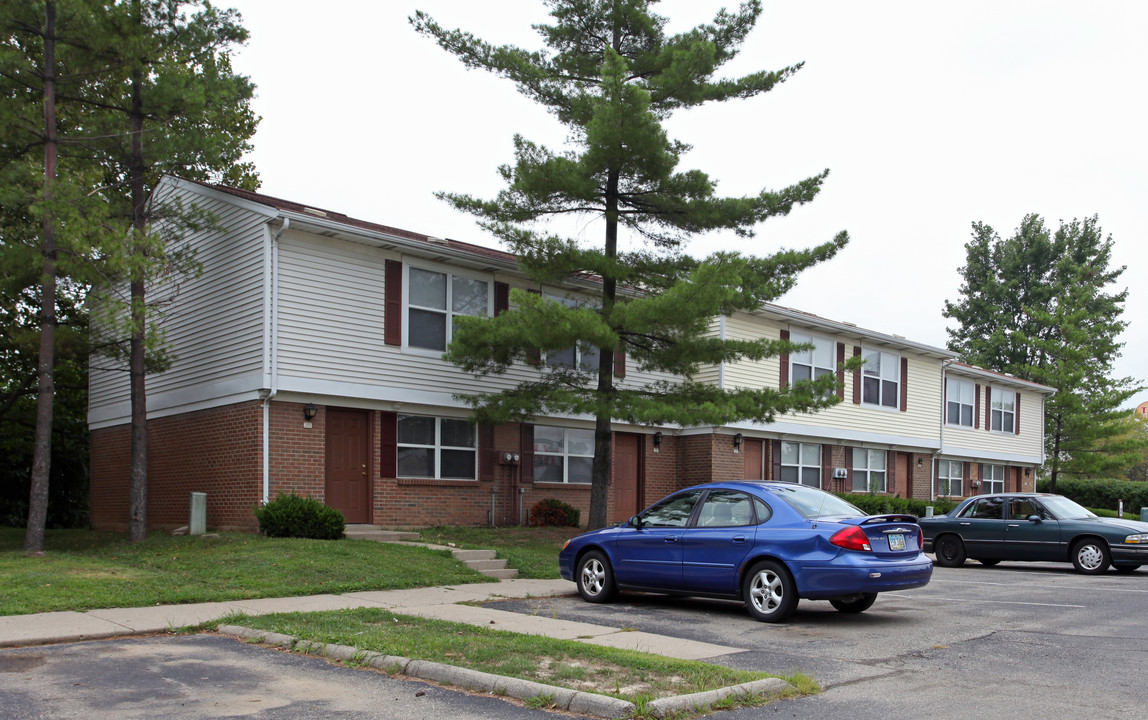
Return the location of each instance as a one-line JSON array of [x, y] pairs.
[[270, 343]]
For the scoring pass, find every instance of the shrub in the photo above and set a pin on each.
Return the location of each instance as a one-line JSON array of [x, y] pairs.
[[300, 516], [881, 504], [550, 512], [1101, 493]]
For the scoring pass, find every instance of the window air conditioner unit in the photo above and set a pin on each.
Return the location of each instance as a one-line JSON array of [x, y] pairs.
[[840, 473]]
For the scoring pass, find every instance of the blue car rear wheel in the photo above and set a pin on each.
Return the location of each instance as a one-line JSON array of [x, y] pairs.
[[595, 578], [769, 592]]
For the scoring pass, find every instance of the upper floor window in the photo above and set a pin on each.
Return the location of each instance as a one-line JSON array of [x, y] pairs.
[[868, 470], [563, 455], [440, 448], [801, 463], [583, 356], [880, 378], [434, 299], [1002, 410], [812, 363], [949, 478], [960, 398], [992, 477]]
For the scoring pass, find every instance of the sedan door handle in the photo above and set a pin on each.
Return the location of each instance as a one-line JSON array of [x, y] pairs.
[[671, 539], [740, 539]]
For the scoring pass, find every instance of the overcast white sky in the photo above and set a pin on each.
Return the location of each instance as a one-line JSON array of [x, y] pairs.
[[930, 116]]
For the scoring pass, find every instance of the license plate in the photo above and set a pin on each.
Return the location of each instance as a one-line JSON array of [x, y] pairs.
[[896, 541]]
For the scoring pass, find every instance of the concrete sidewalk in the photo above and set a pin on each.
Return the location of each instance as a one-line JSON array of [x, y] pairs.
[[437, 602]]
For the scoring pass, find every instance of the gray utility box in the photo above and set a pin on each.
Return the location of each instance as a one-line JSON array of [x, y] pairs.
[[198, 524], [1143, 514]]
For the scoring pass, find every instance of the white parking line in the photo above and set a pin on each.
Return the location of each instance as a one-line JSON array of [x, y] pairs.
[[1049, 587], [979, 601]]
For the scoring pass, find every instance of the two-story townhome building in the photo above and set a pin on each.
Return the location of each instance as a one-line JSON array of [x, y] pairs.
[[307, 358]]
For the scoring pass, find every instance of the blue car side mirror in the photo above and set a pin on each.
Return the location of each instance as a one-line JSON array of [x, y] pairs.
[[635, 522], [1034, 518]]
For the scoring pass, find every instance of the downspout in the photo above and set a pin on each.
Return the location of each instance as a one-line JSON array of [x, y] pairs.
[[271, 347]]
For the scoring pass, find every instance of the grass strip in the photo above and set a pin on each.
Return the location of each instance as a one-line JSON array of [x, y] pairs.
[[84, 570], [635, 676]]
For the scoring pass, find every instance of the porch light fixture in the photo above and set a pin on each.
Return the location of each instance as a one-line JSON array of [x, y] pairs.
[[657, 440], [920, 462], [309, 412], [737, 441], [1027, 472]]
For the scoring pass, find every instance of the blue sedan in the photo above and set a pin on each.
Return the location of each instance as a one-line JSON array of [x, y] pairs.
[[766, 543]]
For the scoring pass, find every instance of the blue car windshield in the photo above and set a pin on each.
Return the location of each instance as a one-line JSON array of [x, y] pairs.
[[1064, 509], [812, 503]]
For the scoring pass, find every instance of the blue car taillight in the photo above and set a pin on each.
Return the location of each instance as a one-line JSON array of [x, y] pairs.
[[851, 538]]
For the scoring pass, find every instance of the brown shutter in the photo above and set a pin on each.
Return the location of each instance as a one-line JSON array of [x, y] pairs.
[[526, 455], [904, 384], [784, 362], [393, 303], [856, 385], [501, 298], [388, 444], [1016, 418], [620, 363], [827, 468], [977, 407], [848, 470], [989, 407], [776, 464], [487, 454], [966, 480], [840, 372]]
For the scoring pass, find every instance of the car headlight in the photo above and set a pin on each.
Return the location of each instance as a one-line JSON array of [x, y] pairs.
[[1137, 539]]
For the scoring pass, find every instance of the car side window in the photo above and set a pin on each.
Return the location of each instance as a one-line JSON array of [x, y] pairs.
[[989, 508], [673, 511], [764, 512], [726, 508], [1021, 508]]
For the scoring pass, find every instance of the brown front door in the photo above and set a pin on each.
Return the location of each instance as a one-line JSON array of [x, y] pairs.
[[901, 473], [347, 479], [626, 473], [754, 460]]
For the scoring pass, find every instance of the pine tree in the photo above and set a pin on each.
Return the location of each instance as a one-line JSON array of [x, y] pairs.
[[613, 77], [1038, 306]]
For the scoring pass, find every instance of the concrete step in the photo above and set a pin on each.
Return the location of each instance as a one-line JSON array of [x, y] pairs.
[[372, 532], [507, 574], [483, 565], [466, 555]]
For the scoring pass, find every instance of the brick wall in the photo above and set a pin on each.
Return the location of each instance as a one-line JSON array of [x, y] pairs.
[[215, 451]]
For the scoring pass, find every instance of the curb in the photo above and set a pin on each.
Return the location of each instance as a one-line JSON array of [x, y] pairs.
[[561, 698]]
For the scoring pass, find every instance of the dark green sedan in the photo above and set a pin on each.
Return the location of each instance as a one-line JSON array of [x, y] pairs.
[[1035, 527]]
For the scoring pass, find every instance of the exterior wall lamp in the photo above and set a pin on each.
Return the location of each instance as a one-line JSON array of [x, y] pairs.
[[309, 412], [920, 462], [737, 441], [1027, 471], [657, 441]]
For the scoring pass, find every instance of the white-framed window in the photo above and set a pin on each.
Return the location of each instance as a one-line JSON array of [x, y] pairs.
[[563, 455], [960, 400], [801, 462], [992, 479], [813, 363], [1002, 410], [868, 470], [583, 356], [880, 378], [435, 299], [439, 448], [950, 480]]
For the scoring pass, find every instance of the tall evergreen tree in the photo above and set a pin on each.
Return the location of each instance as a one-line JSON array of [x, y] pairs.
[[1039, 306], [613, 76]]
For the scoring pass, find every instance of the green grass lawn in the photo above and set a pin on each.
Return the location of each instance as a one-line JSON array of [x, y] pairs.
[[634, 676], [82, 570]]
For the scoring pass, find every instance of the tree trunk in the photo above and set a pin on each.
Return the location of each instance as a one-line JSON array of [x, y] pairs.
[[137, 484], [1055, 456], [42, 452]]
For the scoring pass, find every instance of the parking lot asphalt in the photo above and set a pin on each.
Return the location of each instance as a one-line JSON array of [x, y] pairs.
[[1018, 640]]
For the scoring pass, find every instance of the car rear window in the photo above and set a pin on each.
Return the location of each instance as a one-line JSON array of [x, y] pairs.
[[813, 503]]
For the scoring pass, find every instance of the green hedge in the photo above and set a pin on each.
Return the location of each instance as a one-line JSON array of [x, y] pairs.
[[880, 504], [1103, 494]]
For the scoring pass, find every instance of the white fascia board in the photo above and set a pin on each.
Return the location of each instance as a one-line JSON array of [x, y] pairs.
[[814, 322], [959, 453], [209, 192], [198, 397], [839, 436]]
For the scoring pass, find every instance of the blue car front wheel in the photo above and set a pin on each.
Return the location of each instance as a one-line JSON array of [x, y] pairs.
[[769, 592], [594, 577]]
